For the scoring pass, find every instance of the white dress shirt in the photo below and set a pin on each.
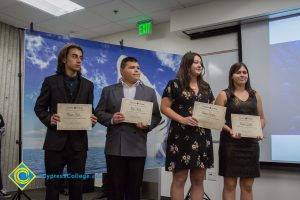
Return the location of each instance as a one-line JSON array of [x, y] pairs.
[[129, 91]]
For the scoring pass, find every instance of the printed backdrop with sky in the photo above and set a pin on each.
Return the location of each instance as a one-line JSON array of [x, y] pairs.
[[101, 66]]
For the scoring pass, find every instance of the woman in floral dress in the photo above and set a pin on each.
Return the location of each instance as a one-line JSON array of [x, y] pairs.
[[189, 147]]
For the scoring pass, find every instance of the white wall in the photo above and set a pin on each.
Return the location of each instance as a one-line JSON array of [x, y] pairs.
[[162, 39], [275, 185], [219, 12]]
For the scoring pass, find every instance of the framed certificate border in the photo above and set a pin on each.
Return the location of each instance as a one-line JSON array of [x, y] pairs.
[[74, 116], [209, 115], [246, 125], [136, 111]]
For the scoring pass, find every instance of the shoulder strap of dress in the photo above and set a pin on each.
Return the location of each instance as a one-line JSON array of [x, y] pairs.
[[227, 93]]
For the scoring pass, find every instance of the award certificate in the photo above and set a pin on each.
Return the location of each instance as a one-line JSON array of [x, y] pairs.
[[209, 116], [246, 125], [137, 111], [74, 116]]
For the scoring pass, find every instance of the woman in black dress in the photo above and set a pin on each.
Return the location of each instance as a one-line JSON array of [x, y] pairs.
[[239, 156], [189, 147]]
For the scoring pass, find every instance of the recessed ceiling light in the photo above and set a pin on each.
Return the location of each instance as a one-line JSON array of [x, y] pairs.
[[54, 7]]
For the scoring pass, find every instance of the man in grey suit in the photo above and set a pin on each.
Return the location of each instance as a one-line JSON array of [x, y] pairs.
[[125, 147]]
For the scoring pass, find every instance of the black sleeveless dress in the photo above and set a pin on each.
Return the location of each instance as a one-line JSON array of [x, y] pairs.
[[188, 147], [239, 157]]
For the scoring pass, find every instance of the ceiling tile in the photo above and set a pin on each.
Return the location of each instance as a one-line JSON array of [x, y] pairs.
[[6, 3], [85, 34], [26, 13], [60, 26], [124, 10], [153, 5], [108, 29], [89, 3], [189, 3], [131, 23], [12, 21], [160, 16], [85, 19]]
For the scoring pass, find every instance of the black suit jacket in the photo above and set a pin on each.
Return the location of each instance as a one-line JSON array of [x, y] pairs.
[[52, 93]]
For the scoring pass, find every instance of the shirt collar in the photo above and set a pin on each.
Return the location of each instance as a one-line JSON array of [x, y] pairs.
[[67, 78], [139, 82]]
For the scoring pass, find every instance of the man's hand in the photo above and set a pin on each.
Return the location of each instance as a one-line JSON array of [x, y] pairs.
[[54, 119], [141, 125], [94, 119], [258, 138], [118, 118]]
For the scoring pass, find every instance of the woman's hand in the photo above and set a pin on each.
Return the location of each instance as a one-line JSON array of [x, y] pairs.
[[190, 121], [235, 135]]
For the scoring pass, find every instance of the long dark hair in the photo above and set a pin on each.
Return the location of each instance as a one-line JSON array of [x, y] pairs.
[[184, 70], [62, 55], [233, 69]]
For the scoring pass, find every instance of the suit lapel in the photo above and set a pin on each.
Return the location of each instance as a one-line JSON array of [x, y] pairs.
[[118, 93], [139, 93], [61, 87]]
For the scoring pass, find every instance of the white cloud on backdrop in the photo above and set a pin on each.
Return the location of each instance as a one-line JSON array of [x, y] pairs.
[[34, 46], [168, 60]]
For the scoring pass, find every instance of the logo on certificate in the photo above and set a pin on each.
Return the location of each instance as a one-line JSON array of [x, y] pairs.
[[22, 176]]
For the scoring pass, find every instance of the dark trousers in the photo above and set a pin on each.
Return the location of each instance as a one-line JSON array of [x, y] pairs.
[[55, 162], [105, 184], [125, 176]]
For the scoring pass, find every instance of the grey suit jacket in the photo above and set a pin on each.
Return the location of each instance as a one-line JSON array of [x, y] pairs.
[[125, 139]]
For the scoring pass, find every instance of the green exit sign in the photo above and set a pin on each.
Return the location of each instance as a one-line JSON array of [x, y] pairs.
[[145, 27]]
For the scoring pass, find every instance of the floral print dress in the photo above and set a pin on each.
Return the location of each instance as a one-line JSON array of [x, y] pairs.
[[188, 147]]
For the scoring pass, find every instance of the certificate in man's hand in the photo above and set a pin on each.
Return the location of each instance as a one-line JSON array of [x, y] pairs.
[[136, 111], [246, 125], [209, 116], [74, 116]]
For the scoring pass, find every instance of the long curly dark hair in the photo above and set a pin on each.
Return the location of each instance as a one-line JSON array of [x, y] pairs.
[[184, 70], [62, 55]]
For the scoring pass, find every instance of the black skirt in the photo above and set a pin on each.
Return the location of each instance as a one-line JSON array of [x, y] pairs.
[[238, 157]]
